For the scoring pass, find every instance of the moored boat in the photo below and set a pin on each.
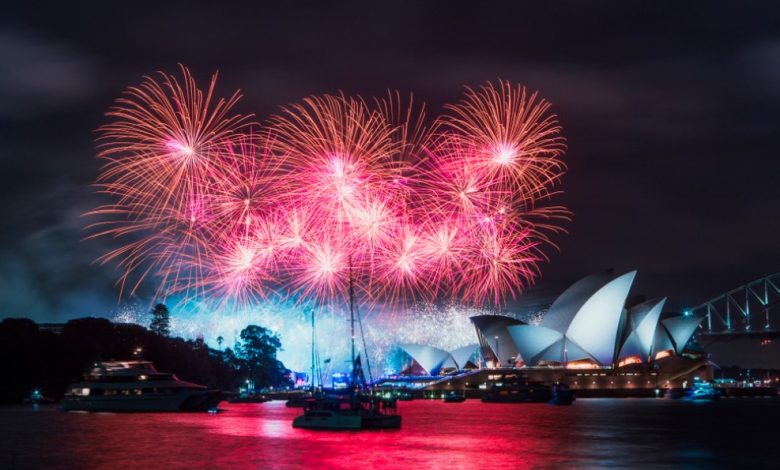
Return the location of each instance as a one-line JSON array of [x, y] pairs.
[[515, 388], [358, 408], [702, 391], [249, 398], [37, 398], [298, 401], [453, 397], [349, 413], [136, 386], [561, 395], [674, 393]]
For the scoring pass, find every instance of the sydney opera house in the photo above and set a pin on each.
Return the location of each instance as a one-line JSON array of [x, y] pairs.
[[592, 337]]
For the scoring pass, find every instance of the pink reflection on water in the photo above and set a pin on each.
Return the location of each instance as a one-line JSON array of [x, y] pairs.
[[620, 433], [433, 434]]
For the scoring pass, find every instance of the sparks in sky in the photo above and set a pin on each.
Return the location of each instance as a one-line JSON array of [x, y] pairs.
[[331, 192]]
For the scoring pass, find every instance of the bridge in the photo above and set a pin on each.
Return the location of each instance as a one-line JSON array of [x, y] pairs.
[[745, 311]]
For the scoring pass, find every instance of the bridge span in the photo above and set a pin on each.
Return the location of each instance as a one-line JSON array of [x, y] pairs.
[[749, 310]]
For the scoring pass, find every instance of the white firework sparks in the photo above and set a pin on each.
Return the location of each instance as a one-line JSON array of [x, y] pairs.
[[444, 327]]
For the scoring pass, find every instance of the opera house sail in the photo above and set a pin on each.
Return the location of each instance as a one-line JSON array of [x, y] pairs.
[[593, 336]]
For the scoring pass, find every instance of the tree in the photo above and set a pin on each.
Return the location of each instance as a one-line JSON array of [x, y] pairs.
[[258, 355], [220, 340], [161, 320], [48, 361]]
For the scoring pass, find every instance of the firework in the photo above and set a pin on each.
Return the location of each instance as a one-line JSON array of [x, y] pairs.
[[338, 154], [334, 193], [163, 151], [164, 144], [510, 136]]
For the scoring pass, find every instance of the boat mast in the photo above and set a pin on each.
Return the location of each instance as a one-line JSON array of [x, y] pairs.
[[352, 319], [312, 349], [365, 348]]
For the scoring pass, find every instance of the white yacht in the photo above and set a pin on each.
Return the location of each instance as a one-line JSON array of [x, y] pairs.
[[136, 386]]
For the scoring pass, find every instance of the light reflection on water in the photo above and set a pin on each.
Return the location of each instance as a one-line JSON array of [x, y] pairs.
[[629, 433]]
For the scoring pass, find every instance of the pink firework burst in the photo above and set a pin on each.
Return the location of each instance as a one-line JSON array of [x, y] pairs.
[[163, 151], [335, 192], [511, 136]]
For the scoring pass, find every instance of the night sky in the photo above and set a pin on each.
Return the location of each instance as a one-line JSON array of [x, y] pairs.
[[671, 111]]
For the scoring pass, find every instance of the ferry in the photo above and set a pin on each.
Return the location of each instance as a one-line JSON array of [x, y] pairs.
[[136, 386], [515, 388]]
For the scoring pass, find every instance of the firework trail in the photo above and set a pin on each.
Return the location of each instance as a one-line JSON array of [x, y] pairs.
[[446, 327], [332, 189]]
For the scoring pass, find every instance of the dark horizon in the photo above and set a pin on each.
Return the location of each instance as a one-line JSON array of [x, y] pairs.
[[670, 115]]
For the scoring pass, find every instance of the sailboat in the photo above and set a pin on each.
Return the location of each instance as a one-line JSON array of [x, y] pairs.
[[356, 409], [300, 401]]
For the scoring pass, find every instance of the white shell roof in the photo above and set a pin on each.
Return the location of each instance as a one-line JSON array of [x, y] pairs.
[[461, 356], [565, 307], [431, 359], [594, 327]]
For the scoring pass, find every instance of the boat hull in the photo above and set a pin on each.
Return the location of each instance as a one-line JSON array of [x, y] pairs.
[[185, 401], [381, 422], [250, 399], [348, 422], [562, 395], [562, 400], [536, 396], [333, 421], [454, 399]]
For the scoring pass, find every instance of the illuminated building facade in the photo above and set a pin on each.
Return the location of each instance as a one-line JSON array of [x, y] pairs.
[[427, 360], [590, 338], [588, 327]]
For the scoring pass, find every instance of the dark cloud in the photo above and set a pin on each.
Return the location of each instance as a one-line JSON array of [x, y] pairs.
[[670, 110], [40, 76]]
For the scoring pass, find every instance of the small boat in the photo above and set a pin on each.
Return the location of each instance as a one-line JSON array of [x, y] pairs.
[[674, 393], [37, 398], [514, 388], [249, 398], [702, 391], [561, 395], [136, 386], [453, 397], [298, 401]]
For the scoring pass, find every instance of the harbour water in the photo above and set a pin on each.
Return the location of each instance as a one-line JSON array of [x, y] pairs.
[[592, 433]]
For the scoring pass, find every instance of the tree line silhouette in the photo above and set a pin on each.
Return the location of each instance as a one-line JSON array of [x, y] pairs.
[[36, 358]]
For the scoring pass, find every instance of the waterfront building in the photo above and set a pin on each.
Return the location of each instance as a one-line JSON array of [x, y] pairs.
[[427, 360], [593, 337]]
